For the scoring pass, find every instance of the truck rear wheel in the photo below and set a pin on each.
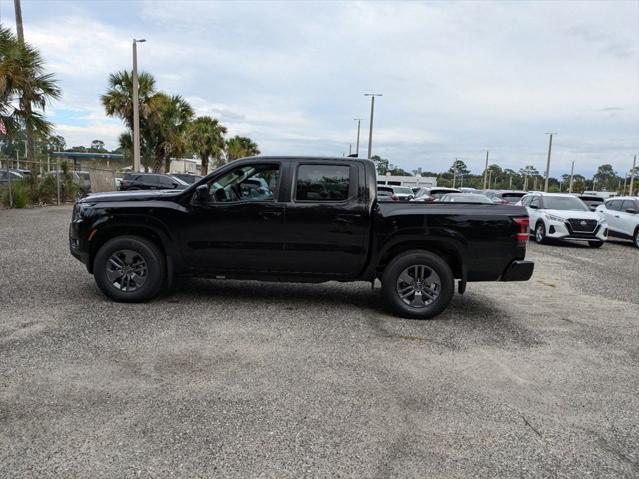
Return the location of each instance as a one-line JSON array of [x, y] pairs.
[[418, 284], [129, 269]]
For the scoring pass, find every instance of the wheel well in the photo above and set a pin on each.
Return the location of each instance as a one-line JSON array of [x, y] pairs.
[[444, 251], [105, 235]]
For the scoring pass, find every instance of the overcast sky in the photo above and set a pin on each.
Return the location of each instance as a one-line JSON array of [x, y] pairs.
[[457, 77]]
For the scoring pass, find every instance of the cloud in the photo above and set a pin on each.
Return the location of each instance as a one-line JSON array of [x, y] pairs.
[[457, 77]]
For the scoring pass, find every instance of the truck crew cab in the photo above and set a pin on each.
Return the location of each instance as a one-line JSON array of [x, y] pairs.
[[297, 219]]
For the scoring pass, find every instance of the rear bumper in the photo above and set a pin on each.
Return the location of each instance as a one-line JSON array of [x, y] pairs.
[[518, 271]]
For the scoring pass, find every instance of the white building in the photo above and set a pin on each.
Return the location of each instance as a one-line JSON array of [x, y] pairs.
[[184, 165], [416, 181]]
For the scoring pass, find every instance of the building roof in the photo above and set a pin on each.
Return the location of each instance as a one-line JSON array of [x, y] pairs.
[[78, 155]]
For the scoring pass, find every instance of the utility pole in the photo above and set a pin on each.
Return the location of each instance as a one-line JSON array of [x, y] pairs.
[[510, 182], [349, 149], [359, 123], [572, 170], [136, 108], [19, 25], [525, 180], [370, 128], [486, 170], [632, 176], [490, 174], [548, 162]]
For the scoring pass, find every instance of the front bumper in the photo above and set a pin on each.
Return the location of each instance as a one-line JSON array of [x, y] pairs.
[[563, 231], [76, 244], [518, 270]]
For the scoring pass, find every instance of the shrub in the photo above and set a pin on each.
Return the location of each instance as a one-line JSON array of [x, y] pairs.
[[48, 190], [21, 194]]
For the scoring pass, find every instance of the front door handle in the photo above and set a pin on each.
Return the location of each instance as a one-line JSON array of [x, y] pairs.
[[266, 215]]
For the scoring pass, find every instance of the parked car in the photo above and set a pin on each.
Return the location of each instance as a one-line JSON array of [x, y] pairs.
[[429, 195], [4, 176], [189, 178], [505, 197], [151, 181], [622, 216], [334, 229], [564, 217], [592, 201], [80, 178], [400, 193], [465, 198], [385, 195]]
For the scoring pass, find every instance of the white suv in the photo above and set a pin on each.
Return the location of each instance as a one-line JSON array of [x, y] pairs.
[[622, 216], [564, 217]]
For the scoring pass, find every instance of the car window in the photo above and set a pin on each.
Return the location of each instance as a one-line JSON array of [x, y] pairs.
[[525, 201], [322, 183], [247, 183], [534, 202], [628, 205], [614, 205], [166, 182]]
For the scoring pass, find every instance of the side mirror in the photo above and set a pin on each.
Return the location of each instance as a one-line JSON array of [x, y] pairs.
[[631, 211], [175, 185], [534, 207], [202, 193]]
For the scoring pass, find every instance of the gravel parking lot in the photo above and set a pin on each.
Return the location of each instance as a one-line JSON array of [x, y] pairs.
[[230, 379]]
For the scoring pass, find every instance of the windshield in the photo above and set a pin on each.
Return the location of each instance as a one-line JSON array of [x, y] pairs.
[[564, 203], [402, 190], [179, 181]]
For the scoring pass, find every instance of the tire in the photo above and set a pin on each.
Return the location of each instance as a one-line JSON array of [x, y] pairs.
[[430, 295], [140, 258], [636, 237], [540, 232], [595, 244]]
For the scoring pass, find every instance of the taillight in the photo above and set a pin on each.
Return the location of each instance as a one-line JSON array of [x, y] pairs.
[[522, 236]]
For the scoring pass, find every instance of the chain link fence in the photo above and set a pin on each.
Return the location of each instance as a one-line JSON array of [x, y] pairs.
[[50, 181]]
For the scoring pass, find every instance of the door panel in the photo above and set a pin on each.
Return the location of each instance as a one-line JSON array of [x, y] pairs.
[[240, 227], [327, 224]]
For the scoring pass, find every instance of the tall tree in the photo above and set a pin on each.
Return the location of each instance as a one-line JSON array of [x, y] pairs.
[[168, 121], [239, 147], [98, 146], [25, 89], [206, 137], [381, 164], [459, 168], [118, 100], [606, 177]]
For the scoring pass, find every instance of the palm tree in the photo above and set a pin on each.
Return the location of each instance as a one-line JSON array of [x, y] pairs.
[[25, 89], [206, 136], [169, 118], [118, 100], [239, 147]]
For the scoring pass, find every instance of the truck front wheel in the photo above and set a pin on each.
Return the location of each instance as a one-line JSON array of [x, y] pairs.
[[129, 269], [418, 284]]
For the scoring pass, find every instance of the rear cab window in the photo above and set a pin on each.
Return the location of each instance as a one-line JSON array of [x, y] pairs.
[[323, 183]]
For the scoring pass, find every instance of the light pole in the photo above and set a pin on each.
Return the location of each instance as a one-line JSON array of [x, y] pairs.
[[486, 170], [548, 162], [370, 129], [572, 170], [632, 176], [136, 107], [359, 124]]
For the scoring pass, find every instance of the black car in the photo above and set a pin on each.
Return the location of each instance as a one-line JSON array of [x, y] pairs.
[[308, 220], [591, 201], [187, 177], [151, 181]]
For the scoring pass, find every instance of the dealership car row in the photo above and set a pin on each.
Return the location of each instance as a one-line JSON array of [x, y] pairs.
[[588, 218]]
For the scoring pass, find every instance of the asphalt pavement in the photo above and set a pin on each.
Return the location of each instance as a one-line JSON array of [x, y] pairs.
[[248, 379]]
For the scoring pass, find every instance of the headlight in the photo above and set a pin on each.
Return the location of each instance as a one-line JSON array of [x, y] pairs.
[[554, 218], [78, 210]]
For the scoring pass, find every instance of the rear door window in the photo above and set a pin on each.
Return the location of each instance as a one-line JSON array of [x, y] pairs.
[[534, 202], [322, 183], [628, 205]]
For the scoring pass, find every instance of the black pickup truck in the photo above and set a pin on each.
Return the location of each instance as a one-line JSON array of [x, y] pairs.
[[297, 219]]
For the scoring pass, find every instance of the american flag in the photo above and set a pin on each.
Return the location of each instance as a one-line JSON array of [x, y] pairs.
[[3, 129]]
